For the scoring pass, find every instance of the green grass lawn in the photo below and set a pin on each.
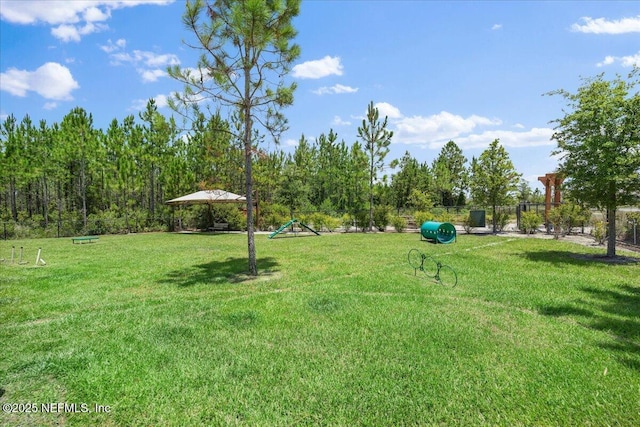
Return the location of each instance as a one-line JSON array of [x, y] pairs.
[[167, 330]]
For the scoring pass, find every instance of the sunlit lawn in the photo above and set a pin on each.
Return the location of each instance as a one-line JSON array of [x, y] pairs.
[[167, 330]]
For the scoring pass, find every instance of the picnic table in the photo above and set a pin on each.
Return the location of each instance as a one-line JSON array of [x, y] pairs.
[[84, 239]]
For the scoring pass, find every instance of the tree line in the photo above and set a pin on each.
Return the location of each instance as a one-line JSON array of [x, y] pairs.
[[75, 174]]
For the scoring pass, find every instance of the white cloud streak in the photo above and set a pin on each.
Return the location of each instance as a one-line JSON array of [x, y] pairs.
[[625, 61], [338, 121], [151, 66], [470, 132], [604, 26], [327, 66], [336, 89], [70, 20], [51, 81]]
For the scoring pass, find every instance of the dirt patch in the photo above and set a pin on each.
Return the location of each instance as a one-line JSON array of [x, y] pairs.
[[618, 259]]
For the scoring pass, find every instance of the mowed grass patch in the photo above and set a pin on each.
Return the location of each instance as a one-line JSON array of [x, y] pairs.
[[167, 329]]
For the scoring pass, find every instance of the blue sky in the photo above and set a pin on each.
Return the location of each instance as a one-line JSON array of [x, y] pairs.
[[463, 71]]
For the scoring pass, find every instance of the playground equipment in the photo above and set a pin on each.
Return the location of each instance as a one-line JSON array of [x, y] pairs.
[[291, 224], [443, 274], [443, 232], [39, 260]]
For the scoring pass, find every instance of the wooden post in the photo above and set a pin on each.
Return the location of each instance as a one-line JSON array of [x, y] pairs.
[[551, 181]]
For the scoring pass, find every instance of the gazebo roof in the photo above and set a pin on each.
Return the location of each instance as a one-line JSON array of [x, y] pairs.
[[207, 197]]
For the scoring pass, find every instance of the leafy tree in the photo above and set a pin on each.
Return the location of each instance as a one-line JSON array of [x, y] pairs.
[[81, 143], [524, 191], [450, 174], [404, 180], [293, 191], [493, 178], [376, 138], [245, 48], [599, 144], [356, 179]]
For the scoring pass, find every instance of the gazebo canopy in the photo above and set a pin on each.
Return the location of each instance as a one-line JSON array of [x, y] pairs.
[[207, 197]]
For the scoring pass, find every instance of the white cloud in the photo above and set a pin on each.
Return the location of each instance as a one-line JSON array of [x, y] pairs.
[[335, 89], [386, 109], [151, 75], [111, 47], [625, 61], [73, 33], [496, 27], [150, 59], [70, 19], [51, 81], [337, 121], [438, 128], [50, 105], [468, 132], [534, 137], [151, 66], [604, 26], [327, 66]]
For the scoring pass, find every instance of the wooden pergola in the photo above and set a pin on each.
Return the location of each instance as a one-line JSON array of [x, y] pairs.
[[552, 183]]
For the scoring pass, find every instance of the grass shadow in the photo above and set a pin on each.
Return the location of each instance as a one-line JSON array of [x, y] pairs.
[[567, 257], [615, 311], [231, 270]]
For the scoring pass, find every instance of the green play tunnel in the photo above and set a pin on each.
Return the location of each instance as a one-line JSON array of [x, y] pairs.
[[443, 232]]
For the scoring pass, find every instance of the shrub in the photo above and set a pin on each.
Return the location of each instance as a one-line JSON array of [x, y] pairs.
[[362, 219], [566, 216], [502, 219], [599, 232], [331, 223], [529, 222], [399, 223], [444, 216], [273, 215], [422, 216], [381, 217], [322, 221], [347, 222], [466, 224]]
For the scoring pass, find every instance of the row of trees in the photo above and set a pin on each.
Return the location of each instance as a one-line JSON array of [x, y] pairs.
[[73, 171]]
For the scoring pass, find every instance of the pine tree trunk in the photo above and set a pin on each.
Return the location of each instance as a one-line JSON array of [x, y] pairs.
[[251, 246]]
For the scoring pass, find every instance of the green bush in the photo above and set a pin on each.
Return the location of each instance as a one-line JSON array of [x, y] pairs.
[[422, 216], [529, 222], [599, 232], [444, 216], [273, 215], [347, 222], [467, 224], [399, 223], [320, 221], [381, 217], [362, 219], [502, 219], [566, 216], [331, 223]]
